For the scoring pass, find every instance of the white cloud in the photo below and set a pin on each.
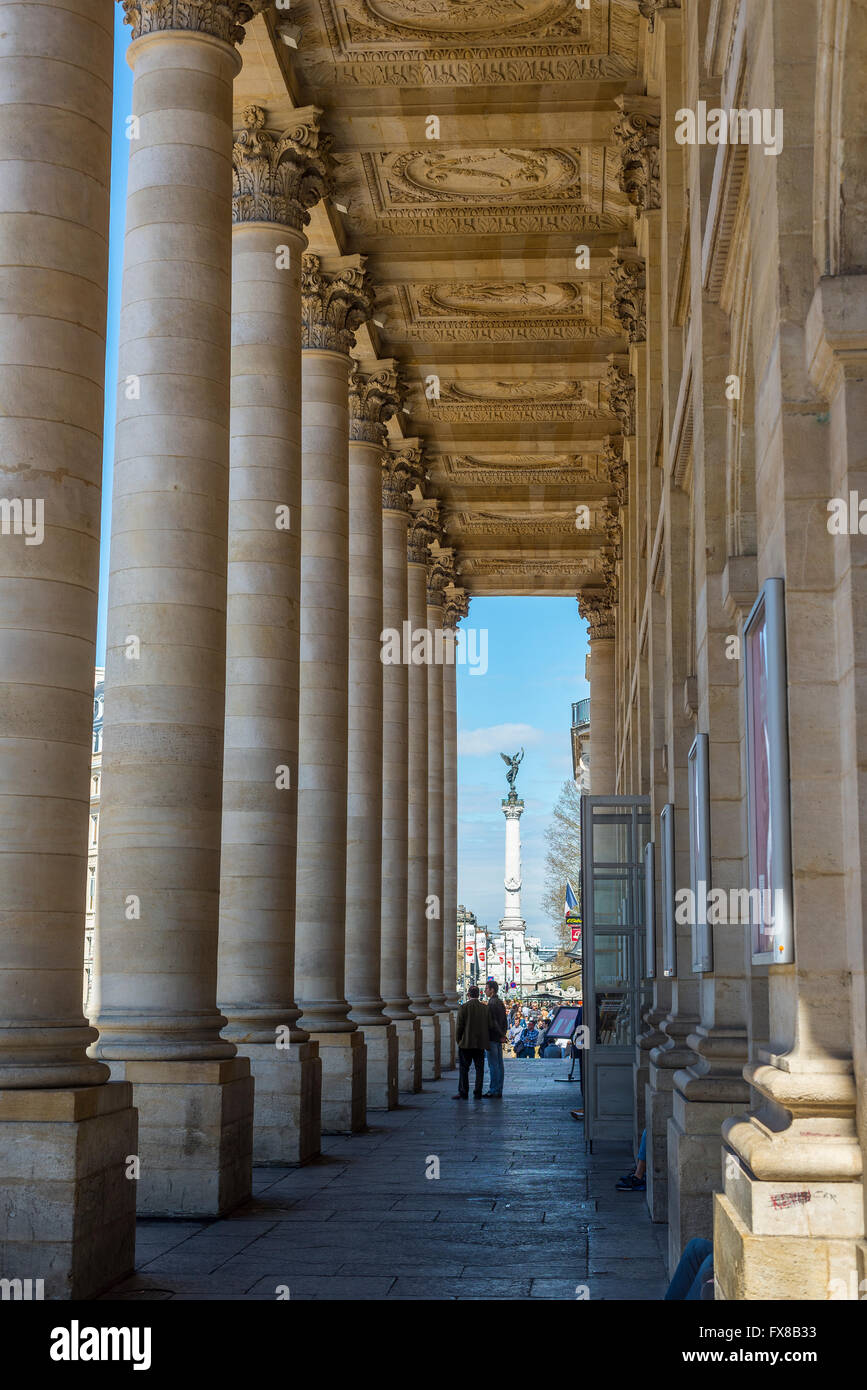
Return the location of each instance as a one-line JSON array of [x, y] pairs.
[[499, 738]]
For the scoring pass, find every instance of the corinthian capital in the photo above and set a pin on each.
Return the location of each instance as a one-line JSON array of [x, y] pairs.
[[596, 607], [277, 177], [373, 398], [638, 134], [402, 469], [423, 531], [457, 606], [630, 293], [334, 304], [223, 19], [616, 469], [621, 395]]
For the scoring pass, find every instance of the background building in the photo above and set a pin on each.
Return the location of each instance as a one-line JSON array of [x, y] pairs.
[[90, 902]]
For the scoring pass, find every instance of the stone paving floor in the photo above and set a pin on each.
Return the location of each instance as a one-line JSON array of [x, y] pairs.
[[519, 1210]]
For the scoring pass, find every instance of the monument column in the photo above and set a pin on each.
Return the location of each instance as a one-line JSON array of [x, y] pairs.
[[64, 1134], [335, 301], [422, 530], [159, 871], [277, 176], [373, 399], [598, 610], [401, 470]]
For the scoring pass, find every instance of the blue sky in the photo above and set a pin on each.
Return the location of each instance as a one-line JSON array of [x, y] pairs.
[[536, 652]]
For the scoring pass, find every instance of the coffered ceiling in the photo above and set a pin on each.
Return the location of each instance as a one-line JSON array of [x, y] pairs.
[[475, 153]]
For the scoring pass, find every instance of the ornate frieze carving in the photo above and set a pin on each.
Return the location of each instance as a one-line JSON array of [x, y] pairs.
[[489, 524], [223, 19], [374, 397], [638, 134], [630, 293], [616, 469], [612, 528], [597, 608], [621, 395], [521, 470], [333, 304], [507, 65], [277, 177], [402, 470], [513, 571], [423, 531]]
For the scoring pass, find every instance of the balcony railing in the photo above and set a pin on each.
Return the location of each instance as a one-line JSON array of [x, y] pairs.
[[580, 712]]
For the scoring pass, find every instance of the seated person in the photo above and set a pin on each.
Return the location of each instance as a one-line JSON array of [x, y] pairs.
[[693, 1279], [636, 1181]]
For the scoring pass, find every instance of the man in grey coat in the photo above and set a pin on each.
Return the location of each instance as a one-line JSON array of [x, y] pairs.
[[472, 1036]]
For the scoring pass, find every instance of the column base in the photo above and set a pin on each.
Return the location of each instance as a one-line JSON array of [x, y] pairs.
[[794, 1266], [287, 1123], [67, 1215], [409, 1054], [658, 1105], [195, 1135], [430, 1047], [447, 1040], [344, 1082], [382, 1067], [694, 1149]]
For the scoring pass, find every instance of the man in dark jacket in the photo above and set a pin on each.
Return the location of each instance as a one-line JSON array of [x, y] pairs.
[[472, 1037], [497, 1026]]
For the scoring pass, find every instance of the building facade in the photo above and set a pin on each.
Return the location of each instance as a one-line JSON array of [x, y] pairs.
[[554, 300]]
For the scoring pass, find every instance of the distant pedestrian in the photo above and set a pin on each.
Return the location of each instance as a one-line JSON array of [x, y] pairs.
[[497, 1026], [472, 1036]]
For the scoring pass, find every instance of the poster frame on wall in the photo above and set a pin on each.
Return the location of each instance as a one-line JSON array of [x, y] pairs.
[[649, 911], [698, 764], [768, 791], [669, 928]]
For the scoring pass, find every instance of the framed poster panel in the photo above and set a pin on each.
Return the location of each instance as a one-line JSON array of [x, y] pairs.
[[649, 912], [699, 852], [669, 931], [767, 750]]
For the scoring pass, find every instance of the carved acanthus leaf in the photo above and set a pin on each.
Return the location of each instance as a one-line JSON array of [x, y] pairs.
[[277, 177], [630, 294], [616, 469], [223, 19], [424, 529], [374, 397], [597, 608], [621, 395], [456, 606], [402, 469], [648, 9], [333, 304], [638, 134]]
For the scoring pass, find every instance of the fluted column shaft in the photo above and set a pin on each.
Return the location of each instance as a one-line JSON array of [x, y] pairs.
[[364, 826], [435, 805], [395, 772], [323, 728], [164, 709], [54, 224], [450, 832], [602, 712], [416, 884]]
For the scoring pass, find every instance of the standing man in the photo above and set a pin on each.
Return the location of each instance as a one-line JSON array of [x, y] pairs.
[[498, 1028], [471, 1036]]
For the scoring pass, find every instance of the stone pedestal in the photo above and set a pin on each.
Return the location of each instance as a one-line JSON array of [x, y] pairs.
[[383, 1062], [430, 1047], [789, 1238], [196, 1135], [344, 1082], [446, 1021], [409, 1054], [288, 1090], [67, 1210], [693, 1167]]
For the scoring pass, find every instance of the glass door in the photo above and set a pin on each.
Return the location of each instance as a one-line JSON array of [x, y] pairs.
[[614, 832]]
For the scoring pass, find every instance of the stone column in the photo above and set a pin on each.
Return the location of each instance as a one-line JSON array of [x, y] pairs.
[[277, 176], [401, 470], [64, 1134], [373, 399], [166, 660], [422, 530], [455, 608], [598, 610], [335, 301], [439, 574]]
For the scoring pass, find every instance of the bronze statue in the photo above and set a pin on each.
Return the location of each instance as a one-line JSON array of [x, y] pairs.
[[513, 765]]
